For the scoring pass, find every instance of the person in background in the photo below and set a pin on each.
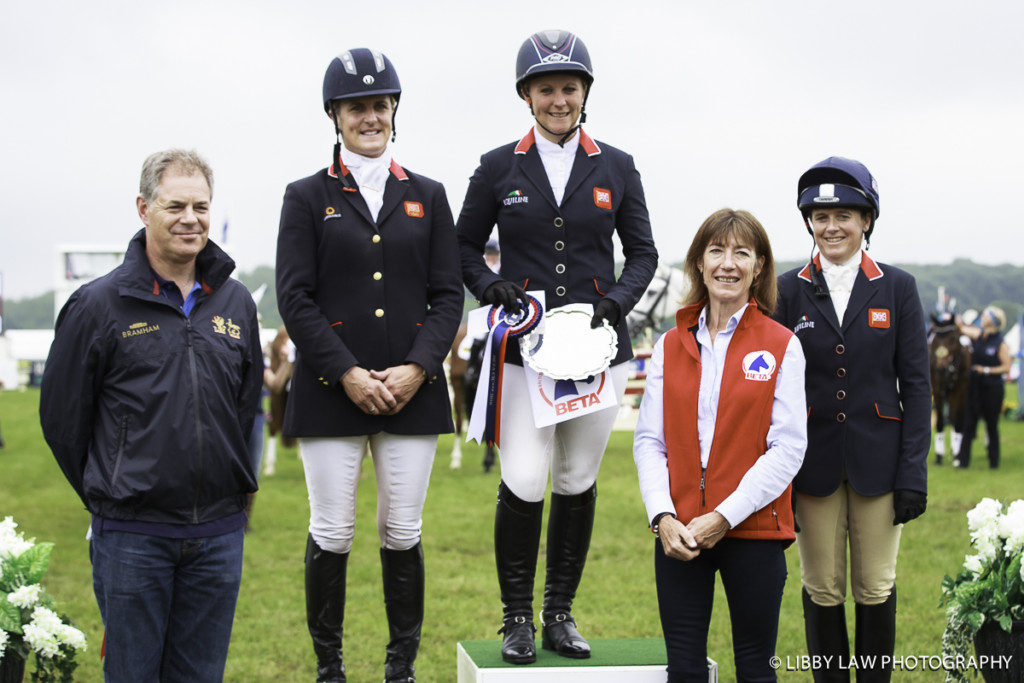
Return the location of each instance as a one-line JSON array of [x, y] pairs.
[[721, 434], [369, 287], [990, 360], [277, 378], [862, 329], [557, 197], [147, 400]]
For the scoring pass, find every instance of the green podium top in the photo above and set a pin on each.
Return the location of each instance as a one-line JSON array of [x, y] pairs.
[[486, 654]]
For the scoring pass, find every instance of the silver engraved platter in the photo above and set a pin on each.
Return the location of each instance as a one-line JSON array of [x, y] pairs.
[[565, 347]]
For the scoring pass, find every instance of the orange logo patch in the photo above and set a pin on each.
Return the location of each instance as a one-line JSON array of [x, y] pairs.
[[414, 209], [878, 317], [602, 198]]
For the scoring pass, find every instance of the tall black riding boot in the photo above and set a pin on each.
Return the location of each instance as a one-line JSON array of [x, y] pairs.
[[325, 609], [876, 638], [569, 526], [825, 628], [516, 542], [403, 602]]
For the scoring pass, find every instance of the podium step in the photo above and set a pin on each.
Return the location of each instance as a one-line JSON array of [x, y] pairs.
[[612, 660]]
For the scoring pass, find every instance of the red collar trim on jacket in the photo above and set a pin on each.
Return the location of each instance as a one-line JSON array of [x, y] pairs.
[[398, 171], [867, 264], [526, 143], [586, 142], [870, 268], [395, 169]]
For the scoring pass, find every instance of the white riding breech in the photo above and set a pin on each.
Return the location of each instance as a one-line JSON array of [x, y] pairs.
[[332, 466], [571, 451]]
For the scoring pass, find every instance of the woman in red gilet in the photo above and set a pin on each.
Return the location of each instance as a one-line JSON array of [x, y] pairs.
[[721, 434]]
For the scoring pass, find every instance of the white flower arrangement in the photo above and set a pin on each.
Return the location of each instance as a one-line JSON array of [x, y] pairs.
[[28, 623], [990, 586]]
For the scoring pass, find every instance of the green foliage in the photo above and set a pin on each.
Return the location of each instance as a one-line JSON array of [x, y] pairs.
[[31, 313], [10, 615]]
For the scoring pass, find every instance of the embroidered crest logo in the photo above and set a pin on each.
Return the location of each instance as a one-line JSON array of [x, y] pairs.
[[759, 366], [515, 197], [602, 198], [804, 323], [878, 317], [331, 212], [221, 326], [414, 209]]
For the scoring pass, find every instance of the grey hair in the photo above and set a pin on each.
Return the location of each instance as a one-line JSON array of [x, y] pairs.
[[187, 161]]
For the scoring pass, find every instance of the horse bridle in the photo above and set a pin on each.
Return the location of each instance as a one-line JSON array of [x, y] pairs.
[[648, 316]]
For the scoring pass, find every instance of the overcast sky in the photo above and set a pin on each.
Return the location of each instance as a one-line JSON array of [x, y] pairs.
[[721, 104]]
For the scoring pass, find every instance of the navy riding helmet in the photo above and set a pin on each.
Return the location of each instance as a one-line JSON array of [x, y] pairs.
[[838, 182], [552, 51], [358, 73]]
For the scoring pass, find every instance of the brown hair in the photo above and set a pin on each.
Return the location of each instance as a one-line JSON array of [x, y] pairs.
[[719, 228]]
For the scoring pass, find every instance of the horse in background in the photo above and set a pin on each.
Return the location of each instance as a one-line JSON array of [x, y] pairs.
[[662, 299], [949, 361], [464, 362], [277, 378]]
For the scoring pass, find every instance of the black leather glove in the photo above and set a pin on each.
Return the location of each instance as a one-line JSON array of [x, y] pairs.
[[908, 505], [506, 294], [606, 309]]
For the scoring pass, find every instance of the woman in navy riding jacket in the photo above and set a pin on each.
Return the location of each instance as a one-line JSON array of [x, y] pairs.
[[720, 435], [990, 360], [557, 197], [868, 417], [369, 288]]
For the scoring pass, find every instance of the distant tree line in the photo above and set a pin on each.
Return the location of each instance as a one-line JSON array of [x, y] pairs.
[[973, 285]]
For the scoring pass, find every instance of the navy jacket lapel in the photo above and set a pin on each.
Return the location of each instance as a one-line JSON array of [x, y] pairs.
[[863, 291], [533, 169], [394, 191], [582, 166]]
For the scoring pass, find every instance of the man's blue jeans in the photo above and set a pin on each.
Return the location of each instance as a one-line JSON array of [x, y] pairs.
[[167, 604]]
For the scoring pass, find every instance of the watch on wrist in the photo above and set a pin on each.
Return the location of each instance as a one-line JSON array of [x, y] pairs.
[[657, 518]]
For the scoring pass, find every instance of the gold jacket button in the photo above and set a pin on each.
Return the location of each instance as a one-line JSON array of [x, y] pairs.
[[377, 275], [379, 313], [560, 290], [841, 417], [841, 394], [841, 372], [840, 349], [375, 239], [559, 222]]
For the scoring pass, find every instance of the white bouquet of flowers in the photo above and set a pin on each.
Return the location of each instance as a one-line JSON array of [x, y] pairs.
[[990, 587], [28, 622]]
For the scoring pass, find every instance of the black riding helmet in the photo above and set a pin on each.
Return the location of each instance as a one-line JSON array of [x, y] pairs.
[[554, 51], [359, 73]]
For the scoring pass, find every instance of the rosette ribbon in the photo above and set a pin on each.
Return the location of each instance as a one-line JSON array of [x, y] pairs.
[[503, 326]]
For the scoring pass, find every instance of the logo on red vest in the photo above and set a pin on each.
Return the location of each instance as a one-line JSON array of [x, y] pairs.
[[759, 366], [414, 209], [572, 395], [602, 198], [878, 317]]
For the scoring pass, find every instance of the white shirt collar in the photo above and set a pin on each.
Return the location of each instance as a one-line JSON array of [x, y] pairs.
[[550, 149], [852, 263], [369, 172], [734, 320]]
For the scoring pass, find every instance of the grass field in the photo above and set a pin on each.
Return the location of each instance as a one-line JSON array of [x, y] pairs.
[[616, 598]]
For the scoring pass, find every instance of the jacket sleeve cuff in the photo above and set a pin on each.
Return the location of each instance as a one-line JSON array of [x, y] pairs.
[[657, 503], [735, 509]]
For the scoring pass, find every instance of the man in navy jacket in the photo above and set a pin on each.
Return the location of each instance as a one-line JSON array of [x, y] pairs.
[[149, 394]]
